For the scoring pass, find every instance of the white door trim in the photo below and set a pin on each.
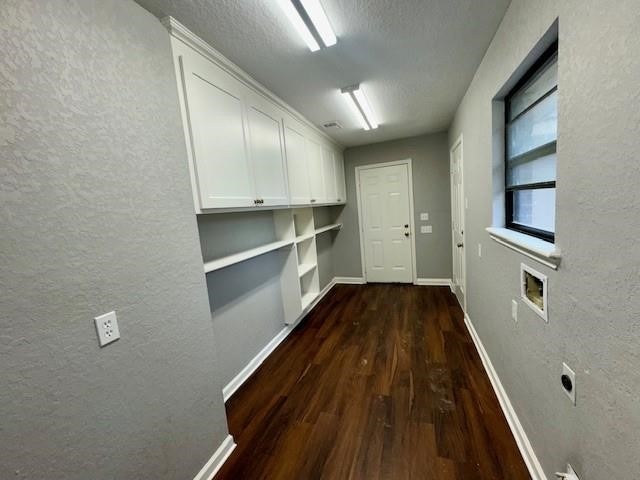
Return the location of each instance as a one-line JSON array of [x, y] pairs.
[[412, 221], [459, 141]]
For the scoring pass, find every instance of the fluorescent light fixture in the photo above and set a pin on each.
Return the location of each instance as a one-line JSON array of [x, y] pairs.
[[310, 21], [297, 22], [360, 107], [320, 21]]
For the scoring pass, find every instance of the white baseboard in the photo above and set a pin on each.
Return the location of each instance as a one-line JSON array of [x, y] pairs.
[[237, 381], [217, 459], [528, 454], [436, 282], [350, 280]]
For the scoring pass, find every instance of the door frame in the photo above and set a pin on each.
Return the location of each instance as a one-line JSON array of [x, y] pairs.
[[412, 221], [459, 142]]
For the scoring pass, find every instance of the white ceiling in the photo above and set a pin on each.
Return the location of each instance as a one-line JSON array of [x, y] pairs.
[[413, 58]]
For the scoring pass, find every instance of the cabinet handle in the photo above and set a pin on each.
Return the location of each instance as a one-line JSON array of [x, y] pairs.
[[339, 199], [255, 201], [261, 201]]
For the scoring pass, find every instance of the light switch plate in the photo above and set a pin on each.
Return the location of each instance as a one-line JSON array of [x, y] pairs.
[[424, 217], [514, 310], [479, 249], [426, 229], [107, 328]]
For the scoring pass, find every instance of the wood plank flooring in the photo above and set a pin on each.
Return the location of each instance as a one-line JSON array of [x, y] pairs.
[[379, 382]]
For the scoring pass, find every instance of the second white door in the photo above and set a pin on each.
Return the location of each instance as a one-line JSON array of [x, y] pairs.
[[386, 223]]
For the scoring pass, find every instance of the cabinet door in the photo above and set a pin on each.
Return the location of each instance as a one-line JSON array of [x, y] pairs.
[[267, 156], [329, 175], [341, 187], [216, 123], [299, 188], [316, 182]]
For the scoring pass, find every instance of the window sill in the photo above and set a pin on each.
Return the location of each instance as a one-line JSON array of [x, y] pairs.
[[544, 252]]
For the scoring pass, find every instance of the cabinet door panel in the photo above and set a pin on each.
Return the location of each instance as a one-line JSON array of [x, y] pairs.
[[267, 159], [299, 188], [341, 188], [316, 181], [328, 173], [216, 122]]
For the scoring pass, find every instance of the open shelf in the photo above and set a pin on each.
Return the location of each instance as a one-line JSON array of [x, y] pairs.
[[223, 262], [308, 298], [302, 238], [305, 268], [326, 228]]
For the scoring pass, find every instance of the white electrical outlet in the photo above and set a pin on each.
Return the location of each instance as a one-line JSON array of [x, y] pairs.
[[479, 249], [424, 217], [568, 380], [426, 229], [514, 310], [107, 328]]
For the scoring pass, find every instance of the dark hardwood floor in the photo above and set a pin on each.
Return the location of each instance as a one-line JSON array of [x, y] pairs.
[[379, 382]]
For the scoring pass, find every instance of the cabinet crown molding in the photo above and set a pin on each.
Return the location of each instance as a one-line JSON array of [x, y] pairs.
[[182, 33]]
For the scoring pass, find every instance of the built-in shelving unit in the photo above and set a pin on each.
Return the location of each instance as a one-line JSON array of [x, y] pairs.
[[290, 233], [307, 256]]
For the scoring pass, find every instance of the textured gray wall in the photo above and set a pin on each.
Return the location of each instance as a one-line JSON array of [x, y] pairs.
[[593, 297], [431, 192], [97, 215]]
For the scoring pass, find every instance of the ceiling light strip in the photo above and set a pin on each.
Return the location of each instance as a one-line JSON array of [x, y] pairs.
[[310, 21], [297, 22], [360, 107], [320, 21]]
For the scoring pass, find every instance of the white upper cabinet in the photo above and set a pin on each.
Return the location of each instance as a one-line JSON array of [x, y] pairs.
[[328, 175], [246, 148], [216, 121], [267, 153], [341, 187], [314, 162], [298, 172]]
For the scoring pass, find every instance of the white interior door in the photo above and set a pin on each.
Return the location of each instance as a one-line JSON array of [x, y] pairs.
[[386, 223], [457, 220]]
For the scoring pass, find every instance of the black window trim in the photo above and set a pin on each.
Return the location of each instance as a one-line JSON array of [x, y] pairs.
[[528, 77]]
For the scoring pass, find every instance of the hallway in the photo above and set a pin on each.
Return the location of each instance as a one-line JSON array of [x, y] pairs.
[[379, 382]]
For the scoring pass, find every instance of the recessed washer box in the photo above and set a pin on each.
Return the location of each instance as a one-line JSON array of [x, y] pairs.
[[533, 290]]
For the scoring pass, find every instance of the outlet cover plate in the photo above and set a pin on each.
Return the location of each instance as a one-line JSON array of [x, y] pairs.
[[566, 370], [424, 217], [107, 328]]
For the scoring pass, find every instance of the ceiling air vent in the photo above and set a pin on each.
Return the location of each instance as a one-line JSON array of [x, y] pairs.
[[333, 124]]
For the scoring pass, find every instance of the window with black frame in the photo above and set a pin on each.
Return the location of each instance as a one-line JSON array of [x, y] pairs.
[[530, 149]]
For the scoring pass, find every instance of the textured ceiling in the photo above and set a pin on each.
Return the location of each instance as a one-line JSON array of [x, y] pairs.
[[414, 58]]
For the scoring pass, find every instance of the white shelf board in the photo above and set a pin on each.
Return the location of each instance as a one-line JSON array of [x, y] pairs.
[[326, 228], [308, 298], [223, 262], [304, 237], [305, 268]]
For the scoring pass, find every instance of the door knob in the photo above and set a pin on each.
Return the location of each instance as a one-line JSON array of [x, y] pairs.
[[406, 234], [460, 245]]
